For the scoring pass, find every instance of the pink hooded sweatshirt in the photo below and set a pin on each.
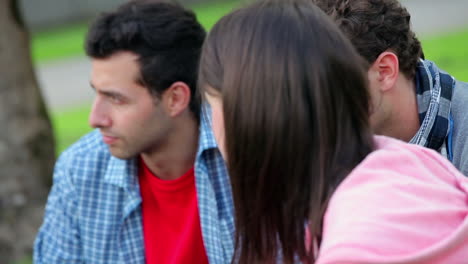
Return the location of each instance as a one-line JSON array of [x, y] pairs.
[[402, 204]]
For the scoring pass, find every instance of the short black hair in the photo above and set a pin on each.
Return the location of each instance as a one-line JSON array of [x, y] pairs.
[[166, 37]]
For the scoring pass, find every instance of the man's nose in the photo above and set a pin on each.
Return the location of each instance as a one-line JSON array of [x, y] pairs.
[[99, 116]]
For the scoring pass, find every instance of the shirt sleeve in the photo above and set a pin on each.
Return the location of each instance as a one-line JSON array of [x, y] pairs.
[[58, 239], [399, 209]]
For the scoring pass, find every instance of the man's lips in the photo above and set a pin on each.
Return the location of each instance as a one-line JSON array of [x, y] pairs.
[[109, 139]]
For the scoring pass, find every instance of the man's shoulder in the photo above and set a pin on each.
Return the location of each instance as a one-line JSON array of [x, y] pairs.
[[460, 126], [459, 101], [461, 88]]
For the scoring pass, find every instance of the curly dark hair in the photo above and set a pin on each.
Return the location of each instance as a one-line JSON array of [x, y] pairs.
[[374, 26], [166, 37]]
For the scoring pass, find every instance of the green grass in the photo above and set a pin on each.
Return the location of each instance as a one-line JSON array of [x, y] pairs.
[[67, 41], [449, 52], [58, 43], [27, 260], [209, 13], [69, 125]]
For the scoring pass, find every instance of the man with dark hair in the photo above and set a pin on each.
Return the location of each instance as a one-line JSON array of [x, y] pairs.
[[148, 185], [412, 99]]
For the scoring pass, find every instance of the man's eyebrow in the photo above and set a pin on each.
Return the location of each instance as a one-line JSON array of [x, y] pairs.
[[109, 93], [104, 91]]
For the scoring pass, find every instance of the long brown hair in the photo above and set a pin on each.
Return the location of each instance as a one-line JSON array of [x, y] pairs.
[[295, 106]]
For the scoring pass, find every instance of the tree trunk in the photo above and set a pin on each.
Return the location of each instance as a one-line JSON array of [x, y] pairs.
[[26, 140]]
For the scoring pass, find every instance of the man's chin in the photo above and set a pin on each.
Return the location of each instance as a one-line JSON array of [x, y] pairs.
[[121, 154]]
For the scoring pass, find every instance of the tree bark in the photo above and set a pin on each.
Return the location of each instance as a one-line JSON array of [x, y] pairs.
[[26, 140]]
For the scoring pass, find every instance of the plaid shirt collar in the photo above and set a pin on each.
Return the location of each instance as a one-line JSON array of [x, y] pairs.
[[434, 89], [119, 169], [207, 140], [214, 195]]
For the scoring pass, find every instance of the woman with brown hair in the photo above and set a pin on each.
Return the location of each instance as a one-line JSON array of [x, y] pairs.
[[290, 109]]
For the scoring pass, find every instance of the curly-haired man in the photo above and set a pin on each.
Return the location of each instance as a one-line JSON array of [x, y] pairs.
[[412, 99]]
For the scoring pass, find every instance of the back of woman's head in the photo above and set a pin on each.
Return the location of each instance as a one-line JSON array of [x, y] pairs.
[[295, 106]]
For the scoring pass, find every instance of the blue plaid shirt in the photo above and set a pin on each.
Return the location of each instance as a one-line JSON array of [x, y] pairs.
[[93, 213]]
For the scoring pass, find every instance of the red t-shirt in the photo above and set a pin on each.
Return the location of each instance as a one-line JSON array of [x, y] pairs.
[[171, 224]]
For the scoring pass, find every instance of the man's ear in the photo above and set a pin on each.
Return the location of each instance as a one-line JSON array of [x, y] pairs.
[[386, 70], [176, 98]]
